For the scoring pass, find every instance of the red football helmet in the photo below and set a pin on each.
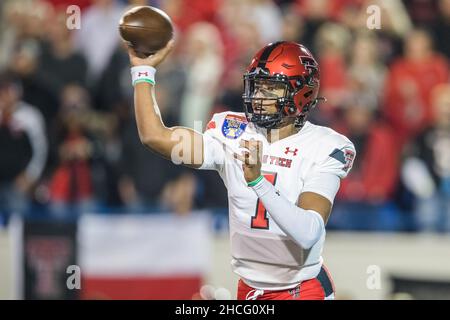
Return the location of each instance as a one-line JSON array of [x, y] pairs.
[[286, 65]]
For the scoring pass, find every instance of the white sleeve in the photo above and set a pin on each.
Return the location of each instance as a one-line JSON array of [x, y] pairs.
[[334, 162], [323, 183], [336, 156]]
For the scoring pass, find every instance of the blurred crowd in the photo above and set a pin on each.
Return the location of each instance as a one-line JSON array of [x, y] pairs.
[[68, 139]]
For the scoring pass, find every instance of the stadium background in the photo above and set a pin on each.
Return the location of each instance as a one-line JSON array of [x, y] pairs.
[[83, 191]]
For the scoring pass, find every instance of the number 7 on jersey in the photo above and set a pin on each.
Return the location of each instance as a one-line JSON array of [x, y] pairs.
[[260, 220]]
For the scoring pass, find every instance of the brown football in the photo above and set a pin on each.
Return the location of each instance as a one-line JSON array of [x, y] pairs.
[[146, 29]]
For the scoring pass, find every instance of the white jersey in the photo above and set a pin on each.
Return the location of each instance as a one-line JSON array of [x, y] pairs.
[[262, 255]]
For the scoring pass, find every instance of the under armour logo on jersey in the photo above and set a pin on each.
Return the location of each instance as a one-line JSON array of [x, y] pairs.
[[288, 150], [142, 74]]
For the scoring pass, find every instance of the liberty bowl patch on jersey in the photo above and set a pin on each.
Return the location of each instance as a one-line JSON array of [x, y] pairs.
[[234, 126]]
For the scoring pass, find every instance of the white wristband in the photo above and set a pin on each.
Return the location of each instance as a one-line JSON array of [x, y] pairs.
[[143, 74]]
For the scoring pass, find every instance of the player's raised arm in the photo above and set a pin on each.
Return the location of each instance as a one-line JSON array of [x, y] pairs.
[[180, 144]]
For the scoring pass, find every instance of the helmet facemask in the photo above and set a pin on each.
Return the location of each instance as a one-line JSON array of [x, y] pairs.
[[266, 99]]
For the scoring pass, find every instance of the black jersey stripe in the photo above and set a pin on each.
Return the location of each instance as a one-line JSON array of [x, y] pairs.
[[325, 281]]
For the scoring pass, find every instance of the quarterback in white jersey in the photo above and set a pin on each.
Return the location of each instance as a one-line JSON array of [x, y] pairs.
[[281, 171]]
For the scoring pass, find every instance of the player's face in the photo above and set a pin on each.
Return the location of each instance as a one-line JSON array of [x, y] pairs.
[[265, 96]]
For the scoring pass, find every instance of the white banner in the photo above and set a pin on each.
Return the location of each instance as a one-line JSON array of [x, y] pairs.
[[145, 245]]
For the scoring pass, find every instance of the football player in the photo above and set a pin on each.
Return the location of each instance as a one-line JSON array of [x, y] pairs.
[[281, 171]]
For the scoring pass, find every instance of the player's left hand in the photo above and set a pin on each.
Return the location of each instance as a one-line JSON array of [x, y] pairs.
[[251, 159]]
